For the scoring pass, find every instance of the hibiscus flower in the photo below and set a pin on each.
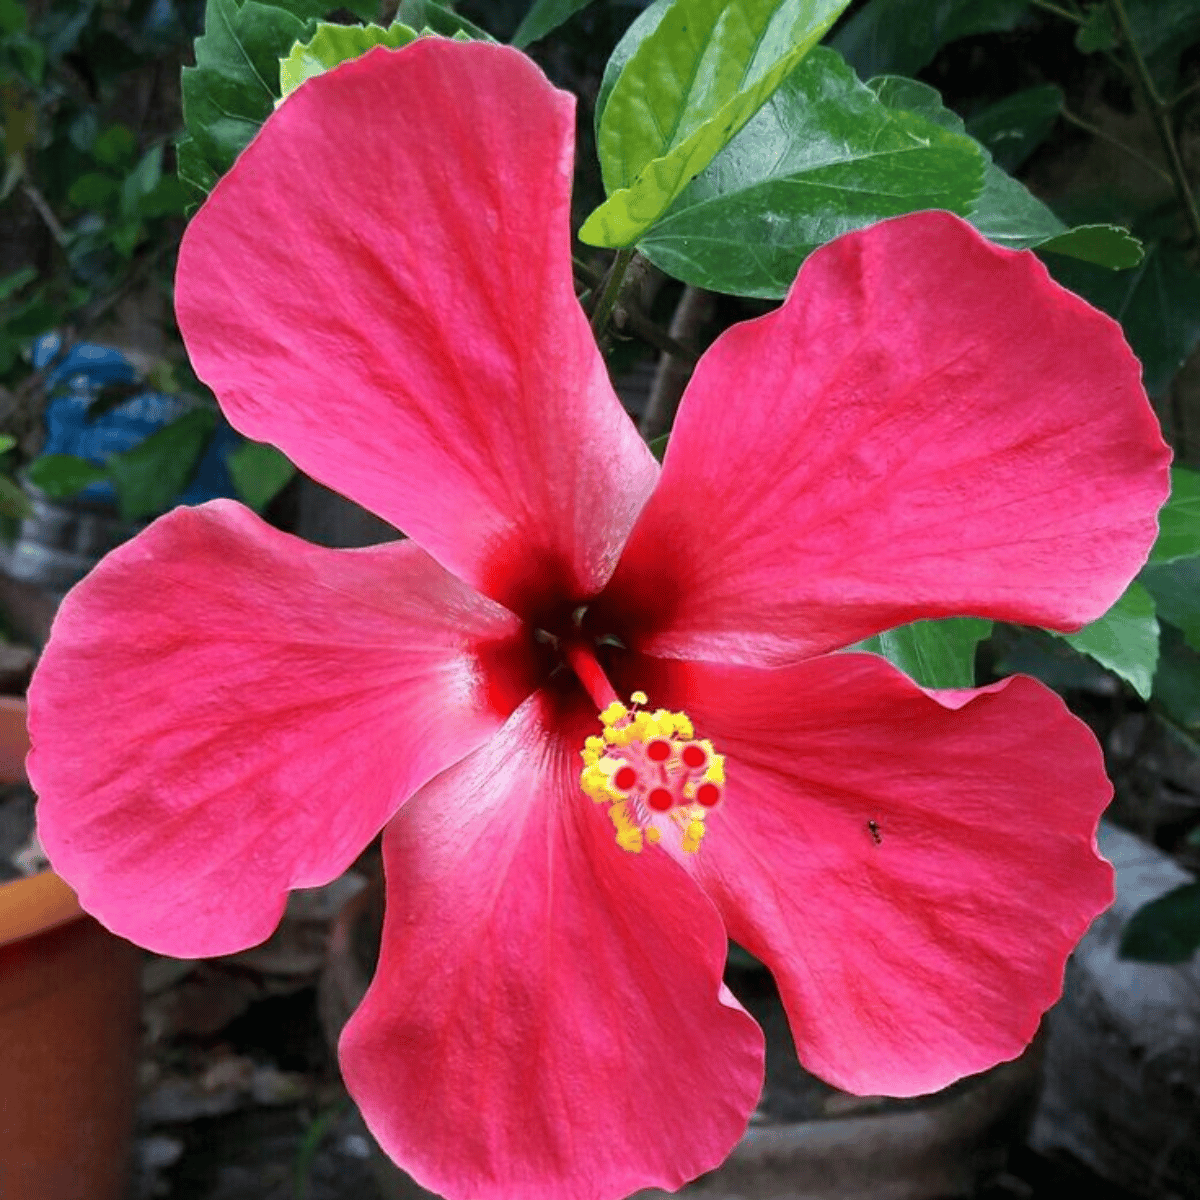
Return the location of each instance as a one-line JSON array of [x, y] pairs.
[[928, 426]]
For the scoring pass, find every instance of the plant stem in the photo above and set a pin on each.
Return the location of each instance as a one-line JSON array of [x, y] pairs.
[[655, 335], [695, 310], [1097, 132], [611, 289], [1160, 113], [1058, 12], [44, 211]]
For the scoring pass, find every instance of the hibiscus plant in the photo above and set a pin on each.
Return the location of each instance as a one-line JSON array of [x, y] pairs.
[[607, 713]]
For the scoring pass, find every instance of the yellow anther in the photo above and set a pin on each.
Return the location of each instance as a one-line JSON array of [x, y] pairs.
[[652, 834], [629, 836], [631, 840], [615, 712], [692, 836], [716, 770], [639, 698], [595, 783]]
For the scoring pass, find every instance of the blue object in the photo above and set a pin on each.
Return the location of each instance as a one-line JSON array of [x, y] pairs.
[[76, 381]]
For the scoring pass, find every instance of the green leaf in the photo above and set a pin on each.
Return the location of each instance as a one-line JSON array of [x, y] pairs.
[[1006, 211], [643, 26], [1175, 587], [195, 172], [16, 280], [1166, 930], [542, 17], [1098, 32], [425, 15], [233, 87], [658, 445], [311, 10], [116, 146], [13, 501], [7, 442], [821, 157], [61, 476], [1177, 683], [937, 654], [13, 17], [259, 472], [1125, 639], [691, 84], [1013, 128], [901, 36], [94, 191], [154, 472], [1179, 519], [334, 44], [167, 198], [1164, 29], [1158, 305], [141, 181]]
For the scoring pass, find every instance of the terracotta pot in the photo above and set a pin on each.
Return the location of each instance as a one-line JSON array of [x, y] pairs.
[[69, 1004], [947, 1144]]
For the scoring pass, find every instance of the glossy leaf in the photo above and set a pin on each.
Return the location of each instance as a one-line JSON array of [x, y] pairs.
[[823, 156], [61, 476], [1014, 127], [687, 89], [901, 36], [333, 44], [938, 654], [233, 87], [1175, 587], [642, 27], [195, 171], [542, 17], [260, 473], [1179, 519], [1166, 930], [1158, 305], [154, 472], [1125, 639], [1006, 211]]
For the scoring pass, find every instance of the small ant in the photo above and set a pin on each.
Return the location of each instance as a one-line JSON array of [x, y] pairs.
[[873, 826]]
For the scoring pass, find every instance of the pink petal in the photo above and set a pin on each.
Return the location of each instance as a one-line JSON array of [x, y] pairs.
[[929, 426], [548, 1018], [224, 712], [381, 287], [927, 948]]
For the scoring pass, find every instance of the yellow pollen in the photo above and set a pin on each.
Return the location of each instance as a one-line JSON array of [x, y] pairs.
[[652, 774]]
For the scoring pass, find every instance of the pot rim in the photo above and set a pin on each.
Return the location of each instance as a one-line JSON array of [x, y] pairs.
[[42, 901]]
